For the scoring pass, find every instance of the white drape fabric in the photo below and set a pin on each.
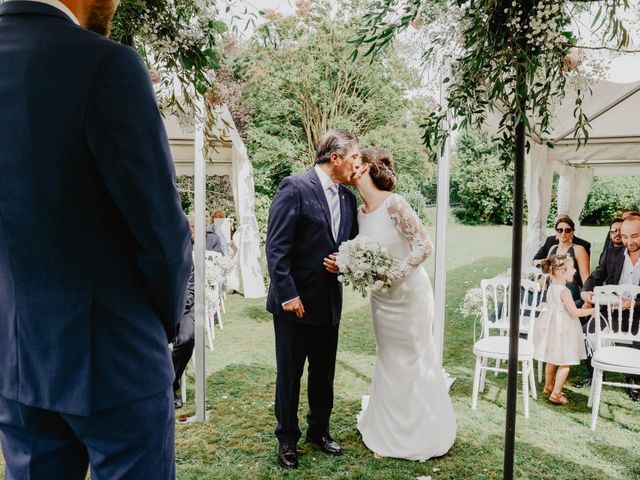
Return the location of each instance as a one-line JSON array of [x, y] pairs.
[[573, 189], [539, 180], [246, 276]]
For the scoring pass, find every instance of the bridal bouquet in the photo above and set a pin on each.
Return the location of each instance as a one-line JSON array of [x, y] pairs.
[[364, 265]]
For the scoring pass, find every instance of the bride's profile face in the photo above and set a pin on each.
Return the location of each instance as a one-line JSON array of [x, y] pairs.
[[359, 169]]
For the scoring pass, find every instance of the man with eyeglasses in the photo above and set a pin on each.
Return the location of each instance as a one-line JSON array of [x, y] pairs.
[[608, 241], [614, 237]]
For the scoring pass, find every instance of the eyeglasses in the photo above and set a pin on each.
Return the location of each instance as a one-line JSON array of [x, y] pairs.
[[614, 230], [564, 230]]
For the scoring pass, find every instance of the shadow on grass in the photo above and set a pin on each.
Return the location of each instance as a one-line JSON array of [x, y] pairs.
[[237, 442], [256, 313]]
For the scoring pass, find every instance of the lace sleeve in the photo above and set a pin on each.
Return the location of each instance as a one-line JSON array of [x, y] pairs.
[[408, 223]]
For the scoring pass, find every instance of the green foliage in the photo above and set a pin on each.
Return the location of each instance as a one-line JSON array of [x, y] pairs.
[[298, 82], [180, 43], [608, 197], [219, 194], [481, 183], [507, 55]]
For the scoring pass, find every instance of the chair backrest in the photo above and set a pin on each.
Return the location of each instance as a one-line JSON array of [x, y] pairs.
[[532, 273], [620, 323], [496, 305]]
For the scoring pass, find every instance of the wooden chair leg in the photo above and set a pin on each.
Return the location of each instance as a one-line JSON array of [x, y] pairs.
[[540, 370], [476, 383], [183, 387], [532, 382], [596, 384], [525, 387], [483, 374]]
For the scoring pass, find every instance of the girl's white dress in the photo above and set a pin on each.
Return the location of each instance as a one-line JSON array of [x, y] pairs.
[[557, 336], [408, 413]]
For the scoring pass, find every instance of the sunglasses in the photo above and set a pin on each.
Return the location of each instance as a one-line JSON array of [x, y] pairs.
[[614, 230], [564, 230]]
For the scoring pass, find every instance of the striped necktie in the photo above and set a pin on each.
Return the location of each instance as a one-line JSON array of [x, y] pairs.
[[334, 205]]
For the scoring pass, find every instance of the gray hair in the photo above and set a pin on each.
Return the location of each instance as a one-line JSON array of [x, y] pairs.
[[336, 140]]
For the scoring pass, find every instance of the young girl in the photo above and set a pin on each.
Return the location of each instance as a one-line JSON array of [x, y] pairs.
[[558, 336]]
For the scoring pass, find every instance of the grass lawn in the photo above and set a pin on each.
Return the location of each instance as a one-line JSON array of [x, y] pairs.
[[237, 441]]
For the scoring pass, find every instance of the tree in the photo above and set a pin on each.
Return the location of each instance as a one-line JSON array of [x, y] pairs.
[[297, 81], [180, 42]]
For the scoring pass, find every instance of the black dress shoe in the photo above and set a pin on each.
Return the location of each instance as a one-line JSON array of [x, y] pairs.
[[326, 444], [585, 382], [288, 456], [177, 401], [634, 394]]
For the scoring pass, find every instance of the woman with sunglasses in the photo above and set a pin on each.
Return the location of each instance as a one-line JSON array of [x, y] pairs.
[[565, 228]]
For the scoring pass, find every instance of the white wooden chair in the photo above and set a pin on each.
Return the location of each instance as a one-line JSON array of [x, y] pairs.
[[614, 337], [533, 274], [496, 300]]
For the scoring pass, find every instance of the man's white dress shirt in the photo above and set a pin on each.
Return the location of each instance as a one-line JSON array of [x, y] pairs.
[[630, 272]]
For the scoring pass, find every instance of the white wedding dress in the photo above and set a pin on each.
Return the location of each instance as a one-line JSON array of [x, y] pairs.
[[408, 413]]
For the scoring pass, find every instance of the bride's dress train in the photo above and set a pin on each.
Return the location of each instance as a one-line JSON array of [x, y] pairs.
[[408, 413]]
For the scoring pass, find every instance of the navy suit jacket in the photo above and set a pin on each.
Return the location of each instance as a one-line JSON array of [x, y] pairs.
[[298, 239], [95, 250]]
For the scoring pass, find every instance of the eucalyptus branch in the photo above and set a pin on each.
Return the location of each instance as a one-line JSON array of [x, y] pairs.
[[604, 47]]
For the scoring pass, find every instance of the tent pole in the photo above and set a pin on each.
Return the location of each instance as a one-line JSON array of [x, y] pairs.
[[199, 181], [442, 218], [442, 221], [514, 311]]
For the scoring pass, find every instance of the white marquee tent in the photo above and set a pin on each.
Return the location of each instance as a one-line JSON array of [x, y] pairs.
[[613, 149], [232, 161]]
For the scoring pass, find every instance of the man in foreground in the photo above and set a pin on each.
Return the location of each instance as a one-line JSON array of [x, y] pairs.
[[85, 316]]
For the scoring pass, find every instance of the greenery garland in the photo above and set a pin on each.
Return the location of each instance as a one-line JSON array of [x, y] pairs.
[[181, 43], [514, 58]]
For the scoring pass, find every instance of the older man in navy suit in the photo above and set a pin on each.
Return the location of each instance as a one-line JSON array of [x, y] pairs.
[[310, 216], [91, 291]]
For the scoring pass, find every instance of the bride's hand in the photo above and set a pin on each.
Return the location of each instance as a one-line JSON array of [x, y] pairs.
[[359, 171]]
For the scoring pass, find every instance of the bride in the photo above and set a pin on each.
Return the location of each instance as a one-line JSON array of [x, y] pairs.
[[408, 413]]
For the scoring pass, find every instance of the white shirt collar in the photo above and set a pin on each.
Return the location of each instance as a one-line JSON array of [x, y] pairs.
[[627, 258], [325, 180], [60, 6]]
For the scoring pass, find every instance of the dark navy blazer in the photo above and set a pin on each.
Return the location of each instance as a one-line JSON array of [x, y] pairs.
[[95, 250], [298, 239]]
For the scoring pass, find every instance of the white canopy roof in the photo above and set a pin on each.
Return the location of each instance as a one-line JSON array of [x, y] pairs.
[[614, 136]]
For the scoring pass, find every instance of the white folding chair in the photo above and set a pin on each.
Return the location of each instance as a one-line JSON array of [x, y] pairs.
[[535, 275], [614, 338], [496, 300]]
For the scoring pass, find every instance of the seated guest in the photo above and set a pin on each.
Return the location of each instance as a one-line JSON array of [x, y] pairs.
[[213, 229], [185, 340], [614, 237], [565, 227], [624, 216], [621, 265], [213, 242], [220, 214], [553, 240]]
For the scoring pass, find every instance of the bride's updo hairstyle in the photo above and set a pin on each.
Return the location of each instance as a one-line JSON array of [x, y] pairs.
[[380, 167]]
